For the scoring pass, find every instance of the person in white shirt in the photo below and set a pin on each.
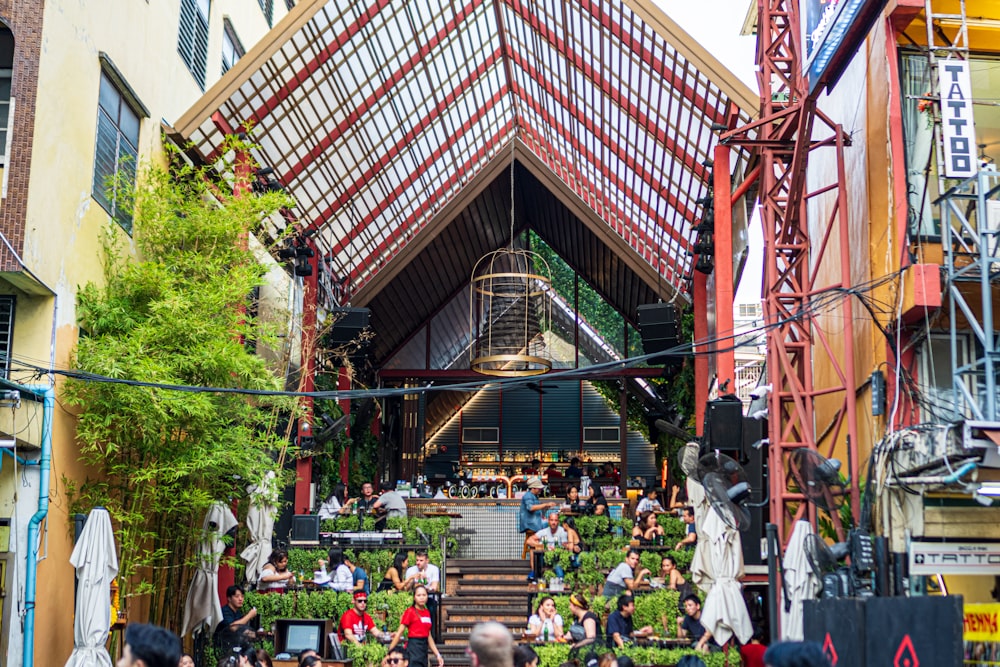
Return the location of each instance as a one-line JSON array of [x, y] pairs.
[[552, 537], [649, 502], [624, 577], [336, 505], [426, 573], [342, 579]]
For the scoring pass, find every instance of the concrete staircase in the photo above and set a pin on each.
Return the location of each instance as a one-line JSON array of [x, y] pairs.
[[481, 590]]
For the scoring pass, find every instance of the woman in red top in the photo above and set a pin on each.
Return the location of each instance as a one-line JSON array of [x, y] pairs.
[[416, 621]]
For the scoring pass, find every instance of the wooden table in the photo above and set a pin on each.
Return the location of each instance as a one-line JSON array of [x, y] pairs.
[[295, 663], [453, 515]]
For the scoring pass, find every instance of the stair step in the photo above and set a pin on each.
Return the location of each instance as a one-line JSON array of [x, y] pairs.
[[489, 613]]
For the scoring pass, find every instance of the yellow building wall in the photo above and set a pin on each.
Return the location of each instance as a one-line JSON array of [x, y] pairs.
[[64, 225]]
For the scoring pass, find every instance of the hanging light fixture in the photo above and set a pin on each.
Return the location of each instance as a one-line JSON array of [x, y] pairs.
[[510, 309]]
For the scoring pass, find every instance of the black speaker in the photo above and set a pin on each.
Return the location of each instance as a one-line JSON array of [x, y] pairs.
[[754, 461], [874, 632], [724, 426], [348, 323], [914, 631], [305, 530], [658, 329], [838, 625]]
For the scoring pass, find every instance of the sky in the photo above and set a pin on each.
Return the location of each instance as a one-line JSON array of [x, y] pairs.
[[716, 25]]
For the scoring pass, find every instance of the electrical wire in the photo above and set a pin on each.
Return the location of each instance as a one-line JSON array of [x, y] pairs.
[[821, 301]]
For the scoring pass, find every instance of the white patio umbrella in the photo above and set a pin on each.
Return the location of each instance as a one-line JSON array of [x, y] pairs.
[[725, 611], [202, 604], [96, 566], [260, 525], [800, 583]]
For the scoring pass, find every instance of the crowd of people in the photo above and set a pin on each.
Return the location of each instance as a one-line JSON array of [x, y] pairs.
[[490, 644]]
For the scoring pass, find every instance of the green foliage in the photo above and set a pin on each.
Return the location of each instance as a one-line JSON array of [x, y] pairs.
[[175, 316], [369, 654]]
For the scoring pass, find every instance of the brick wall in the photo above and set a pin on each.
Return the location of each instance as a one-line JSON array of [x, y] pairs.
[[24, 18]]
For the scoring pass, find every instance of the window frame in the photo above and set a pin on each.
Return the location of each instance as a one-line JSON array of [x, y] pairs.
[[125, 101], [229, 35], [602, 435], [935, 396], [195, 53]]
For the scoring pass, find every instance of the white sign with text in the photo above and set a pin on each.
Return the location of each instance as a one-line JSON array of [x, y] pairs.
[[957, 125], [929, 558]]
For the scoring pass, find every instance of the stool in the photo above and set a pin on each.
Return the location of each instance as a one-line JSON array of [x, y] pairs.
[[526, 549]]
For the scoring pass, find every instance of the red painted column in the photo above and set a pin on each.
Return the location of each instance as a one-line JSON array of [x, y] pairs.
[[725, 358], [701, 378], [303, 466]]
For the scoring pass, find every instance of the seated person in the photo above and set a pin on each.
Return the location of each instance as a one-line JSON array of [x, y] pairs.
[[425, 573], [552, 537], [389, 504], [573, 541], [689, 626], [691, 536], [646, 530], [576, 503], [619, 627], [649, 502], [355, 624], [364, 504], [235, 624], [359, 576], [336, 504], [546, 623], [552, 472], [534, 469], [599, 502], [275, 577], [340, 577], [395, 579], [574, 470], [672, 577], [608, 470], [624, 577]]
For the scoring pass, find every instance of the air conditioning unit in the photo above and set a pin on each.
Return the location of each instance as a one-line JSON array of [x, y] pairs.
[[984, 436]]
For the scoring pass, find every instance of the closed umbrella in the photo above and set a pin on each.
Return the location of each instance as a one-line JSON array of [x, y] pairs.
[[96, 566], [260, 525], [725, 612], [702, 572], [800, 583], [202, 605]]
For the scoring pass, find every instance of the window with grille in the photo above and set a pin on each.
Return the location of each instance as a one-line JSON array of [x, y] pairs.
[[267, 6], [749, 310], [116, 155], [192, 41], [6, 74], [232, 49], [6, 333], [480, 436], [596, 434]]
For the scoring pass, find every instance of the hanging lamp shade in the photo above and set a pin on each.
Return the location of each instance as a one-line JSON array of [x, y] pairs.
[[510, 311]]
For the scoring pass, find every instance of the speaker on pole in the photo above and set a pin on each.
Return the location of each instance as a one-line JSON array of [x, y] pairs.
[[658, 328], [724, 425]]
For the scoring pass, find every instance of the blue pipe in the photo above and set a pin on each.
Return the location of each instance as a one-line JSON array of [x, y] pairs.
[[960, 473], [31, 565]]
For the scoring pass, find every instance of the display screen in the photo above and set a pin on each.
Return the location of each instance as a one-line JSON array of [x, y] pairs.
[[298, 638]]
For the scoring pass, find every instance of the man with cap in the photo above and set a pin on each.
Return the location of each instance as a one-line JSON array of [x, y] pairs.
[[531, 516], [355, 624]]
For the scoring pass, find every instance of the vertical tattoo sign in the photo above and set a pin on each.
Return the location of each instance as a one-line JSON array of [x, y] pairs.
[[956, 119]]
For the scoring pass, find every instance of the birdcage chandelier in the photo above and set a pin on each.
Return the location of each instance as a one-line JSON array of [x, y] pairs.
[[510, 310]]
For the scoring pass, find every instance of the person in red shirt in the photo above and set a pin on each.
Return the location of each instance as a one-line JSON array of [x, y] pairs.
[[752, 654], [355, 624], [417, 621]]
